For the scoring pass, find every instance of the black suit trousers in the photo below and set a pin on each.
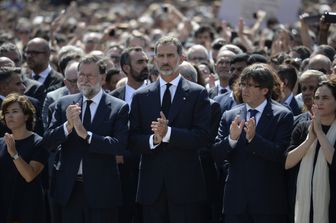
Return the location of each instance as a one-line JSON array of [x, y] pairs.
[[165, 211], [76, 211]]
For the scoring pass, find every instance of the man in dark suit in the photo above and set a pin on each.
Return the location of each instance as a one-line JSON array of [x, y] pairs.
[[288, 76], [33, 88], [134, 63], [91, 128], [171, 185], [37, 53], [255, 189]]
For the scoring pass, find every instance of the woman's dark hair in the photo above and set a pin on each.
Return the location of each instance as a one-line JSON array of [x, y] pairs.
[[331, 84], [26, 106]]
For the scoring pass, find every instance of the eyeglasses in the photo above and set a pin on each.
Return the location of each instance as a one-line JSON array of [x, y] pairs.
[[33, 52], [88, 76], [72, 82], [245, 85]]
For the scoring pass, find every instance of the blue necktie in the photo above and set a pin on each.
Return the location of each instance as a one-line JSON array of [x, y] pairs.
[[253, 113]]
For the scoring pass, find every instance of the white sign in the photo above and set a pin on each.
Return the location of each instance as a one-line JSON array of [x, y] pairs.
[[286, 11]]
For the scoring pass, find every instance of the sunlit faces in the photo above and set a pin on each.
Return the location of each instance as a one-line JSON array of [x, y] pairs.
[[89, 79], [325, 101], [14, 117], [308, 87], [167, 59], [252, 93]]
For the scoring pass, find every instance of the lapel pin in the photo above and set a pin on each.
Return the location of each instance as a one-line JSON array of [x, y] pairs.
[[184, 98]]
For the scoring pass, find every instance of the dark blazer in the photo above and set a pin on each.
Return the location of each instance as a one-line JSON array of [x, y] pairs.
[[33, 88], [174, 165], [225, 101], [53, 81], [256, 181], [119, 93], [294, 106], [100, 173], [49, 99]]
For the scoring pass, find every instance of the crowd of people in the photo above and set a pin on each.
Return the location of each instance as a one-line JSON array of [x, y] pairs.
[[161, 113]]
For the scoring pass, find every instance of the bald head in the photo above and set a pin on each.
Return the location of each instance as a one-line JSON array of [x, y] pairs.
[[188, 71], [197, 54], [37, 54], [321, 63]]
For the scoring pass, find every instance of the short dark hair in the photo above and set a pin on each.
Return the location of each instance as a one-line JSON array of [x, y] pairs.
[[261, 74], [110, 73], [26, 106], [98, 60], [331, 84], [204, 29], [125, 56], [242, 57], [287, 72], [303, 51], [167, 40]]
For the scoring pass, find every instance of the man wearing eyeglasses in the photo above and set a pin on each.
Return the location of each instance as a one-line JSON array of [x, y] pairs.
[[253, 137], [91, 128], [37, 54]]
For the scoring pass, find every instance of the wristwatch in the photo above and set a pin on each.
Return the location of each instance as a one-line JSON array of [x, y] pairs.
[[16, 156]]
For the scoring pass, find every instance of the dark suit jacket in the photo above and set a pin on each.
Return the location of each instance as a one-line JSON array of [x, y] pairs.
[[49, 99], [34, 88], [53, 81], [119, 93], [174, 165], [225, 101], [294, 106], [100, 173], [256, 182]]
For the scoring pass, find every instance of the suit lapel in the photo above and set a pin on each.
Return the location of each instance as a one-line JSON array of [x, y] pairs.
[[122, 93], [100, 112], [180, 98], [154, 100], [265, 119]]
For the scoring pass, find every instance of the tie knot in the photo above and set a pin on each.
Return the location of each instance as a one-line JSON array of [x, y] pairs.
[[36, 77], [223, 90], [253, 112], [88, 102], [168, 85]]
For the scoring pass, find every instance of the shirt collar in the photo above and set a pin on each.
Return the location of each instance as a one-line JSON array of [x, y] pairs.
[[289, 99], [44, 73], [260, 108], [96, 98], [173, 82]]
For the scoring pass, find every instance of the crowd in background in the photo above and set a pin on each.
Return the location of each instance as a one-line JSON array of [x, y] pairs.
[[42, 45]]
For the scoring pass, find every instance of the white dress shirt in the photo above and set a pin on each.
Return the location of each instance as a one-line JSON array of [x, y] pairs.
[[172, 89], [43, 75]]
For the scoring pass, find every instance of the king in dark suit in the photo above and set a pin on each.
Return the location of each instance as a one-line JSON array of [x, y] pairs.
[[255, 188], [91, 128], [171, 185]]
